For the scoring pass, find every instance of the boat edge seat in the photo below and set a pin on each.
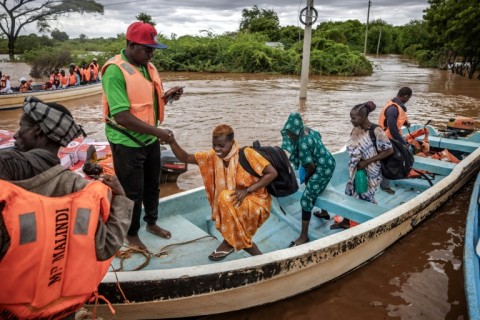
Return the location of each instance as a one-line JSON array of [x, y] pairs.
[[436, 166], [347, 206], [451, 144], [419, 184]]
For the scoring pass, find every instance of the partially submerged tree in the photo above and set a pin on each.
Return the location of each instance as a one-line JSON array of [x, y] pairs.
[[453, 25], [19, 13]]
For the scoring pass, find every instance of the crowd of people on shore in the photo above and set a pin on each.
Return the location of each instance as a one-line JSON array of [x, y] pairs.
[[239, 200]]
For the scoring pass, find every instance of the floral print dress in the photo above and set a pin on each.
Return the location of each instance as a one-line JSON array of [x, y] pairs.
[[308, 148]]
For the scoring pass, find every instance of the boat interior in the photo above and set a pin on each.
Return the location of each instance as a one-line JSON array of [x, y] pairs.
[[194, 236]]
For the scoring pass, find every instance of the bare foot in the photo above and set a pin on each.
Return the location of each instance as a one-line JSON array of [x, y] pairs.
[[156, 230], [299, 241], [134, 241], [254, 251]]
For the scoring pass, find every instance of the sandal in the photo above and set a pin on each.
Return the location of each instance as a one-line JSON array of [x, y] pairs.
[[388, 190], [344, 224], [323, 214], [223, 254]]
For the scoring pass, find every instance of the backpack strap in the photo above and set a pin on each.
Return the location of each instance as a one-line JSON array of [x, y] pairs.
[[373, 137], [245, 164], [124, 132]]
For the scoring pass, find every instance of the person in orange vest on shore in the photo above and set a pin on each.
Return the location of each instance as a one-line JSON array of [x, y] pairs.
[[50, 274], [392, 118], [132, 113]]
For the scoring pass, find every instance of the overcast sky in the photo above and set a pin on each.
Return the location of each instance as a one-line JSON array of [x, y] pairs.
[[192, 16]]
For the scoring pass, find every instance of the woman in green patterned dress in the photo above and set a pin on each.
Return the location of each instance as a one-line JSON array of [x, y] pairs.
[[307, 150]]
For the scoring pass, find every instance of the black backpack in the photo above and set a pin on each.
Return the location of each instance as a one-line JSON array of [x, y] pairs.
[[398, 165], [286, 182]]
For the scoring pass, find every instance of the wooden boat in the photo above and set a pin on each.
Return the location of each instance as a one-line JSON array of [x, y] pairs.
[[471, 254], [15, 100], [180, 281]]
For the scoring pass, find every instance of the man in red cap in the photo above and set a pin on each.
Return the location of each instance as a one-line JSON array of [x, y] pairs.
[[132, 114]]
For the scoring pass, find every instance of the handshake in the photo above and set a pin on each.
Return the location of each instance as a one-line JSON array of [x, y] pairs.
[[165, 136]]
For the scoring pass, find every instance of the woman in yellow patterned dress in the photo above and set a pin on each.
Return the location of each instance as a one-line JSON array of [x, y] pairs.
[[240, 202]]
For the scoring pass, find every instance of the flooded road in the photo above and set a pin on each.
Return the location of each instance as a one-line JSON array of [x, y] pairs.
[[420, 277]]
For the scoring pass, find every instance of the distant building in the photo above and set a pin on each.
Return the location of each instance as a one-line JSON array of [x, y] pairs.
[[277, 45]]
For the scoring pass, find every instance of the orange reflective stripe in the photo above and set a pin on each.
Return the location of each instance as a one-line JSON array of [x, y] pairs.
[[28, 228], [81, 221]]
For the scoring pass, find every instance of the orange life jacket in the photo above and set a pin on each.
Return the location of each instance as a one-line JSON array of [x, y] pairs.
[[424, 146], [3, 82], [72, 79], [95, 70], [86, 74], [24, 87], [63, 80], [50, 268], [402, 118], [140, 91]]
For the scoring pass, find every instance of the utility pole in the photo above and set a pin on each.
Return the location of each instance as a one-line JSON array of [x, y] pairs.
[[307, 40], [379, 38], [366, 29]]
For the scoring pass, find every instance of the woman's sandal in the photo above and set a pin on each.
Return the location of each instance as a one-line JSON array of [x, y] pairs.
[[323, 214], [223, 254]]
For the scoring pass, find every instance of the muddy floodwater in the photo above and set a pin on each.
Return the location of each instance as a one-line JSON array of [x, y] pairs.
[[419, 277]]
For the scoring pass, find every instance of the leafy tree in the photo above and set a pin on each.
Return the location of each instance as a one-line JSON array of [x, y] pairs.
[[290, 35], [454, 26], [144, 17], [263, 21], [19, 13], [59, 35], [82, 37]]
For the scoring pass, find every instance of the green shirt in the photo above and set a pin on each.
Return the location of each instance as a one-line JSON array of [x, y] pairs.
[[115, 89]]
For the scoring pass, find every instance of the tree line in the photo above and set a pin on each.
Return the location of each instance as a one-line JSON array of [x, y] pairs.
[[446, 37]]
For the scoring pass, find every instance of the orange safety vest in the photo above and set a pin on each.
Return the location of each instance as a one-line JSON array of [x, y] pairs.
[[95, 70], [140, 91], [50, 268], [24, 87], [402, 118], [86, 74], [63, 80], [72, 79]]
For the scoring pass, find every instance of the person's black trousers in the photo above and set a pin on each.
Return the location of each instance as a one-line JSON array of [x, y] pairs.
[[138, 170]]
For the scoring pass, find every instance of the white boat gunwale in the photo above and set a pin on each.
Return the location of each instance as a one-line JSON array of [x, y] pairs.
[[268, 265]]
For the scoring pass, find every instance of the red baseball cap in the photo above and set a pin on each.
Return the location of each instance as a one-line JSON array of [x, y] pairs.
[[143, 33]]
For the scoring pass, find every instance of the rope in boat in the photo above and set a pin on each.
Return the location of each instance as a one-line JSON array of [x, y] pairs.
[[125, 254]]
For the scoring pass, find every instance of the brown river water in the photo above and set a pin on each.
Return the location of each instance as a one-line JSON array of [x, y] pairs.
[[419, 277]]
